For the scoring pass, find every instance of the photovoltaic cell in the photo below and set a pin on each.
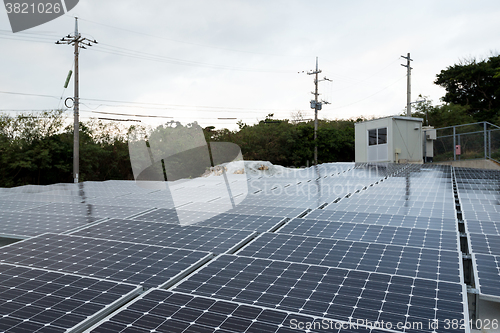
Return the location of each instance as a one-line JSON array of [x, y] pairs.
[[266, 211], [487, 268], [147, 265], [192, 237], [436, 239], [243, 222], [483, 227], [224, 220], [81, 209], [22, 224], [391, 259], [169, 312], [482, 216], [7, 205], [486, 244], [35, 300], [332, 293], [421, 222]]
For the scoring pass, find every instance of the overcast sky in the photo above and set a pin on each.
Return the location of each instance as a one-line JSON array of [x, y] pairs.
[[201, 60]]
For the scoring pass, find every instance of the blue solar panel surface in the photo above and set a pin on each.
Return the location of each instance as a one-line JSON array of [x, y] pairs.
[[328, 244]]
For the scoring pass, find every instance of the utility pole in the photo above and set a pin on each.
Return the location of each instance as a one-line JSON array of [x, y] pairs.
[[78, 42], [408, 84], [316, 105]]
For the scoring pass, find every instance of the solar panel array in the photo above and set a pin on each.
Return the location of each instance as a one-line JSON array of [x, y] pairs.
[[303, 250], [479, 193]]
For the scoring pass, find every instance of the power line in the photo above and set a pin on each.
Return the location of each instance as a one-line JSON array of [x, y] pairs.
[[153, 57], [190, 43], [147, 105], [360, 100], [27, 94]]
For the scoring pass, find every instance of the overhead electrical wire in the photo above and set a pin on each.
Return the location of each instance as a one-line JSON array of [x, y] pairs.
[[121, 51], [360, 100], [148, 105], [189, 43]]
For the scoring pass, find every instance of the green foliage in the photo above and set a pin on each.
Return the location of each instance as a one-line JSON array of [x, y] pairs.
[[442, 115], [474, 84], [38, 150], [284, 143]]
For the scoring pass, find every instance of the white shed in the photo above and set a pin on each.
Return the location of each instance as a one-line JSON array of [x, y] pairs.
[[391, 139]]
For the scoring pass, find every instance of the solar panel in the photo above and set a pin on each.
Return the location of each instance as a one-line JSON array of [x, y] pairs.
[[168, 215], [224, 220], [437, 239], [483, 227], [266, 211], [386, 248], [390, 259], [486, 244], [22, 225], [82, 209], [215, 240], [422, 222], [487, 274], [165, 311], [43, 198], [482, 216], [147, 265], [17, 206], [35, 300], [122, 202], [333, 293]]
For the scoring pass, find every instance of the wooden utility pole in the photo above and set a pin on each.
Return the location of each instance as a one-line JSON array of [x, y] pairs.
[[78, 42], [408, 84], [316, 105]]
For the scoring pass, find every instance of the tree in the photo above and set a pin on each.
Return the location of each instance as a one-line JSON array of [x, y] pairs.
[[442, 115], [475, 84]]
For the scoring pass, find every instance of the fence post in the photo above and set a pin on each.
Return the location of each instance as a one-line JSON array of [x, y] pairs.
[[459, 156], [454, 146], [489, 144], [425, 146], [485, 138]]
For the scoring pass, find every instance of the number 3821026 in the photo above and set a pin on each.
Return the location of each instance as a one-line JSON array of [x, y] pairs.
[[39, 8], [479, 324]]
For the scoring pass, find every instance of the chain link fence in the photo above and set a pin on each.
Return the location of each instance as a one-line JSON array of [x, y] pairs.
[[470, 141]]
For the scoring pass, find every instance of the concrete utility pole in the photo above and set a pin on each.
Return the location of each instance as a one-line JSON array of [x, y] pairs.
[[316, 105], [408, 84], [78, 42]]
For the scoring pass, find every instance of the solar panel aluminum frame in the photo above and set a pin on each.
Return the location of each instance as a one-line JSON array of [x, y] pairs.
[[20, 237], [460, 262], [173, 280], [108, 309], [457, 236], [462, 285], [485, 297], [138, 214], [71, 231], [185, 273], [232, 250], [313, 317], [242, 243]]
